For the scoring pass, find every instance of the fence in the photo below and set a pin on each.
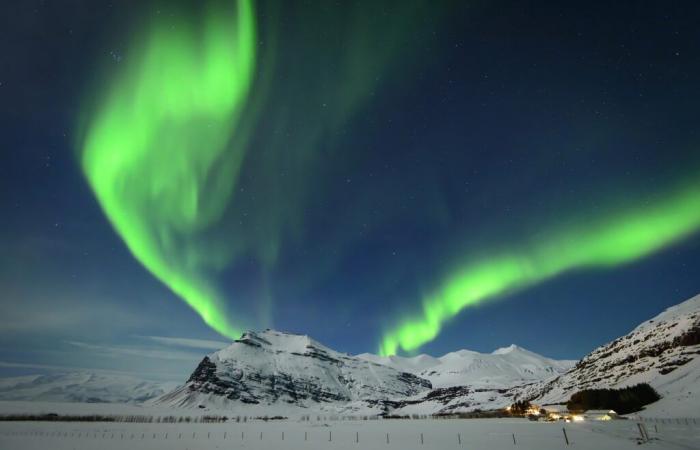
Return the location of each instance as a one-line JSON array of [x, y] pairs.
[[688, 421], [396, 438]]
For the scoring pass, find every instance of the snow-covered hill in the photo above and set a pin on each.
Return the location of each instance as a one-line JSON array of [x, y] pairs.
[[505, 367], [81, 387], [276, 368], [663, 351]]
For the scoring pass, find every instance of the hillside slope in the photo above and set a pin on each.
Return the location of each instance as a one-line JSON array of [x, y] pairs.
[[663, 351]]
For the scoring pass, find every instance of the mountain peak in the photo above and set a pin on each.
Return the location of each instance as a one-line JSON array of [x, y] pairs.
[[510, 349], [274, 340], [274, 367]]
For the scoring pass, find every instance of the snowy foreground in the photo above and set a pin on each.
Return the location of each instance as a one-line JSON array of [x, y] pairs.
[[401, 434]]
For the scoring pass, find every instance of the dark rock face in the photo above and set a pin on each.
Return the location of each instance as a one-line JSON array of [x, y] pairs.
[[205, 371], [452, 399], [253, 387], [414, 380]]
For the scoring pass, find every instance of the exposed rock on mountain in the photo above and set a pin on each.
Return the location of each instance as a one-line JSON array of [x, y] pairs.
[[272, 367], [275, 370], [663, 351]]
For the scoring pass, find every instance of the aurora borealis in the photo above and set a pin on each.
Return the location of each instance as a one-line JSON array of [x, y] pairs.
[[157, 154], [600, 242], [385, 176]]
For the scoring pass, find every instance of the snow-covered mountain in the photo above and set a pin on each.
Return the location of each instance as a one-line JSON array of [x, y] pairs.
[[82, 387], [663, 351], [505, 367], [466, 381], [277, 371], [283, 369]]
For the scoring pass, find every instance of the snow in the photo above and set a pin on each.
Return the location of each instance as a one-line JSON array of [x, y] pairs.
[[652, 353], [680, 392], [413, 365], [503, 368], [290, 371], [680, 311], [81, 387], [483, 434]]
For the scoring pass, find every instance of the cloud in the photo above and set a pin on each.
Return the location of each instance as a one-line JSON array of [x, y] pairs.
[[118, 351], [72, 369], [187, 342]]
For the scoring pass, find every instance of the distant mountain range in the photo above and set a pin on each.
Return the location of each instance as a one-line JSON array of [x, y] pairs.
[[81, 387], [273, 372], [505, 367]]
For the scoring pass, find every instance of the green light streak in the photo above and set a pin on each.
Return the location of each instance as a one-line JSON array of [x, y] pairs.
[[157, 152], [600, 242]]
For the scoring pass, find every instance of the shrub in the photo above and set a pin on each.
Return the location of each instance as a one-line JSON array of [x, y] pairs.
[[623, 401], [520, 408]]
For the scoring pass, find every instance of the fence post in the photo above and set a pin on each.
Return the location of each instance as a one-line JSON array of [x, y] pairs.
[[387, 438], [566, 438], [261, 435], [224, 435], [459, 439], [330, 436], [306, 435], [283, 435], [421, 439], [646, 433], [514, 439], [641, 432]]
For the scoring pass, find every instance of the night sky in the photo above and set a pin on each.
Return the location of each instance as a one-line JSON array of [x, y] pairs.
[[387, 177]]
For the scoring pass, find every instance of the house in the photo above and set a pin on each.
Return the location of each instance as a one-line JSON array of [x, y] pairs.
[[557, 412], [600, 414]]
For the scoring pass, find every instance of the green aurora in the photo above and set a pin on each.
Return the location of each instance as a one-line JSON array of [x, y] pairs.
[[165, 150], [157, 153], [597, 242]]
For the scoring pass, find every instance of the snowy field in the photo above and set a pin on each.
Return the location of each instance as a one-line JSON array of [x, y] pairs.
[[401, 434]]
